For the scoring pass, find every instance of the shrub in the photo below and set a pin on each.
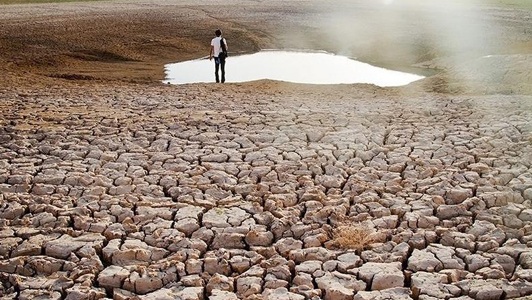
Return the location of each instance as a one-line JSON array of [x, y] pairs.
[[351, 236]]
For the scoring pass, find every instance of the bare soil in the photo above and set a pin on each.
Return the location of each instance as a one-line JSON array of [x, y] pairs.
[[130, 41], [116, 186]]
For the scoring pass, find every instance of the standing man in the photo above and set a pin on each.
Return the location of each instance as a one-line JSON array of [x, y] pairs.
[[218, 44]]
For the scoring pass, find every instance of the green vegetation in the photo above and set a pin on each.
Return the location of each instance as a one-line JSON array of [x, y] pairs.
[[39, 1], [512, 3]]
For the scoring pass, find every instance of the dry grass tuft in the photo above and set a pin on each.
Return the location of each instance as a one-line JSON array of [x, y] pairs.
[[351, 237]]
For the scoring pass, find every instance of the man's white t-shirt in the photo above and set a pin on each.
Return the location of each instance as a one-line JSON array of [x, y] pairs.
[[215, 42]]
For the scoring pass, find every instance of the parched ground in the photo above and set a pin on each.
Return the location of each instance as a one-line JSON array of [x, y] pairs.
[[113, 185]]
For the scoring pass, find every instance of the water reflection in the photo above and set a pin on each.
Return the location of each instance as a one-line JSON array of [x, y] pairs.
[[291, 66]]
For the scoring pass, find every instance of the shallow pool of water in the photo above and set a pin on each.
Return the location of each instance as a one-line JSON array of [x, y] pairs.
[[291, 66]]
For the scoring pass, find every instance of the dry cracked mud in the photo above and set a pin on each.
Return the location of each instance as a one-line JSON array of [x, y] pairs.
[[266, 190]]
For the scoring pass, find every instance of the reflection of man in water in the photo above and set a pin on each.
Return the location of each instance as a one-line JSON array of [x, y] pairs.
[[219, 57]]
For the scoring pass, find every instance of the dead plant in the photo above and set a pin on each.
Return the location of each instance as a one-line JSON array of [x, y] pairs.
[[351, 237]]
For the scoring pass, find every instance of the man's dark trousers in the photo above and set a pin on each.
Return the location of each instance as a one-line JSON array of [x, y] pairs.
[[219, 63]]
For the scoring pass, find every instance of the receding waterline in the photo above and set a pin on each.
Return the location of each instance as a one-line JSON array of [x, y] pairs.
[[291, 66]]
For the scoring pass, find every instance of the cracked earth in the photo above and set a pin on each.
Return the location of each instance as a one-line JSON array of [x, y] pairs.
[[111, 189], [158, 196]]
